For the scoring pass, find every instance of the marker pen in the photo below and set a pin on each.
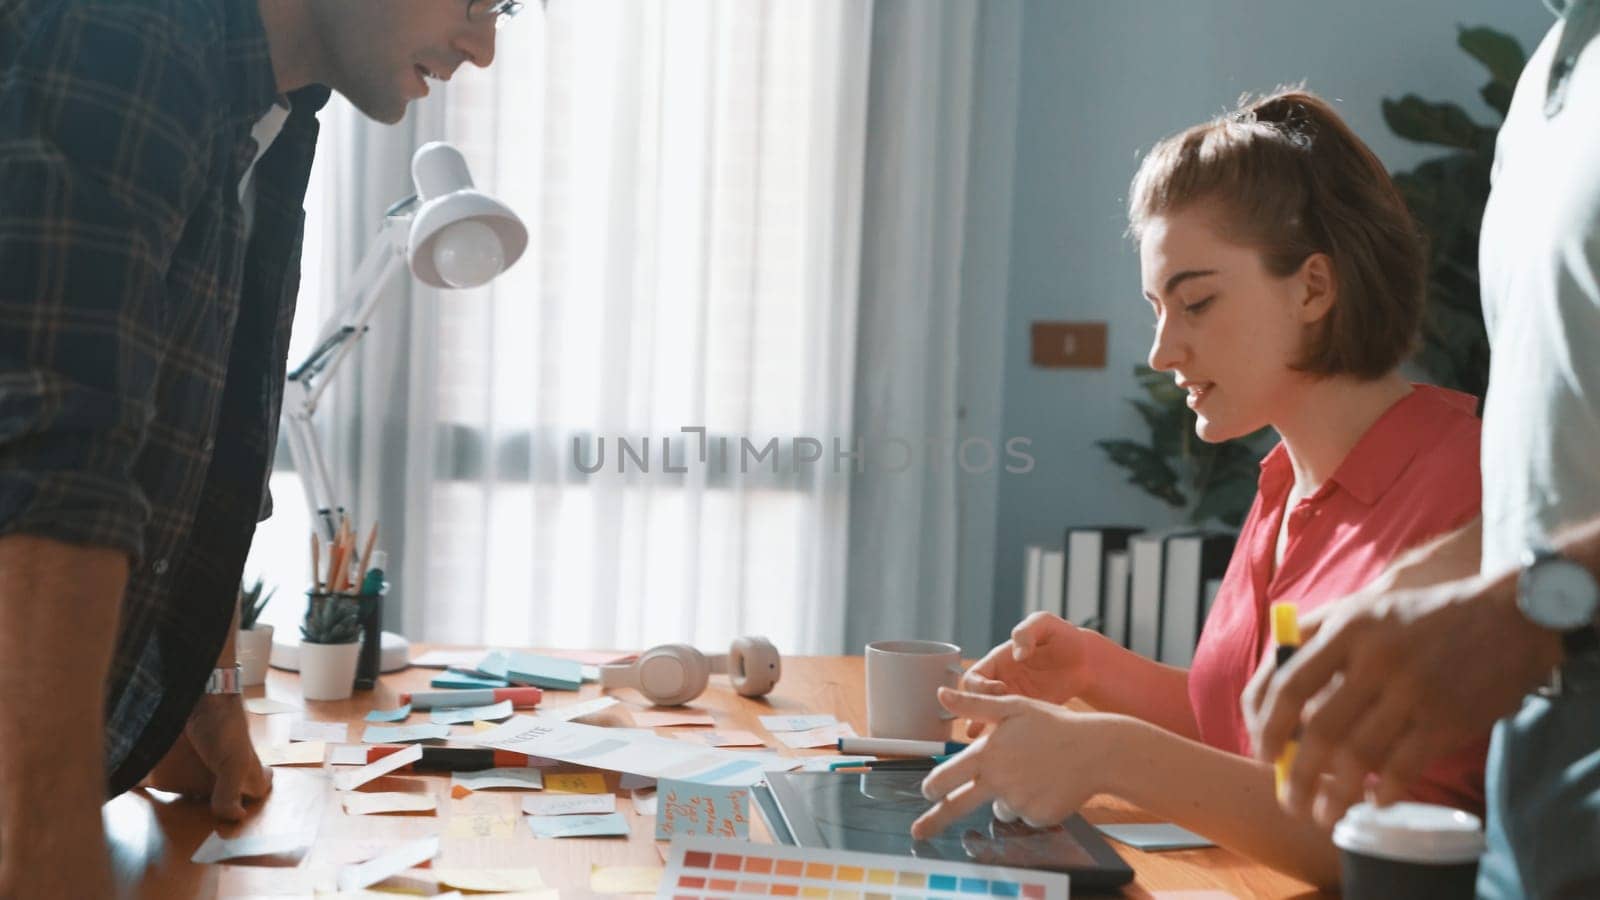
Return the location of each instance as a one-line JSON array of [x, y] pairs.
[[860, 746], [1286, 635], [456, 759], [519, 697]]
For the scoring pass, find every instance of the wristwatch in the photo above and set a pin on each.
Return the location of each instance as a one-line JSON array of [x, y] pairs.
[[226, 680], [1556, 593]]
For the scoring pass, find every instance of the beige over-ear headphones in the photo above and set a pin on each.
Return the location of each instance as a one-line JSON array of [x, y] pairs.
[[674, 674]]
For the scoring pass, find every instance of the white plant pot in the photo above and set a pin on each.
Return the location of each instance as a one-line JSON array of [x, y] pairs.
[[328, 671], [253, 648]]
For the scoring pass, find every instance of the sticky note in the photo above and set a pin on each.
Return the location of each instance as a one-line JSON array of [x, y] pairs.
[[401, 734], [575, 783], [825, 736], [363, 803], [398, 714], [350, 780], [572, 712], [491, 665], [463, 680], [625, 879], [795, 723], [545, 671], [303, 753], [401, 858], [645, 802], [522, 779], [686, 807], [327, 732], [607, 825], [480, 826], [262, 706], [728, 738], [459, 715], [1157, 836], [347, 755], [652, 718], [569, 804], [443, 659], [216, 848], [488, 880]]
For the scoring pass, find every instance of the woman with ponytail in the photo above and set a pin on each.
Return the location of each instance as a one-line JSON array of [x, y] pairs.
[[1285, 280]]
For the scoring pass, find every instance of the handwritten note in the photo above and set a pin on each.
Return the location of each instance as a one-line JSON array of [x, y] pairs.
[[569, 804], [685, 807], [826, 736], [606, 825], [795, 723], [575, 783]]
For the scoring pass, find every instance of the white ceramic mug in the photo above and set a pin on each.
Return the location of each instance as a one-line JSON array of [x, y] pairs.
[[903, 681]]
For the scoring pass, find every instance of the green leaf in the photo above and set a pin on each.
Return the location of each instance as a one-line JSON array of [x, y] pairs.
[[1499, 52], [1426, 122], [1498, 96]]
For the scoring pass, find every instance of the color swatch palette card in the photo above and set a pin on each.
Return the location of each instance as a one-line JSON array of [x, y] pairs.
[[704, 867]]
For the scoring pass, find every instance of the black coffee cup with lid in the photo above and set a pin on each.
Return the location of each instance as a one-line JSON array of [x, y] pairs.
[[1409, 850]]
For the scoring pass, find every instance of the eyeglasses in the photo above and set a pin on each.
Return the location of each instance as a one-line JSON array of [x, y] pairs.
[[498, 10]]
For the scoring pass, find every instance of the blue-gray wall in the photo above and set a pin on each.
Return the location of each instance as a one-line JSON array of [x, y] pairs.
[[1098, 83]]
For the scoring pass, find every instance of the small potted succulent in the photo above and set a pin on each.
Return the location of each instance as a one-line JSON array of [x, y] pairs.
[[254, 644], [330, 642]]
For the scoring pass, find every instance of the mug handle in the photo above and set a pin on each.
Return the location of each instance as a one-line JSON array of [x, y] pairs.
[[955, 671]]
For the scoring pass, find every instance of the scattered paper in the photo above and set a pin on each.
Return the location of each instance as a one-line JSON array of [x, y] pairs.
[[327, 732], [825, 763], [667, 719], [262, 706], [338, 852], [480, 826], [304, 753], [684, 807], [726, 738], [575, 783], [795, 723], [401, 734], [349, 781], [632, 782], [826, 736], [574, 712], [348, 755], [607, 825], [493, 712], [569, 804], [522, 779], [1155, 836], [625, 879], [361, 803], [488, 880], [398, 714], [645, 802], [607, 748], [482, 726], [218, 848], [401, 858]]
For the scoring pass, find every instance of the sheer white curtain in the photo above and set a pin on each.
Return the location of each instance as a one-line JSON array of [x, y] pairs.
[[690, 172]]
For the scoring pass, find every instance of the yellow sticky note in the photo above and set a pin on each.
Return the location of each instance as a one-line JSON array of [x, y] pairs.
[[624, 879], [484, 726], [481, 827], [302, 753], [489, 880], [575, 783]]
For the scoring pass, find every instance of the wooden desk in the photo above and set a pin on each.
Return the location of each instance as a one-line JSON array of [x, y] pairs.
[[153, 835]]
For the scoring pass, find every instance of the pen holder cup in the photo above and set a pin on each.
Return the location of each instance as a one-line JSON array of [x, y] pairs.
[[334, 642]]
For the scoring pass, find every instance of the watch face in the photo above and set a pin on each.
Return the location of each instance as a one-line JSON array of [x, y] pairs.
[[1561, 594]]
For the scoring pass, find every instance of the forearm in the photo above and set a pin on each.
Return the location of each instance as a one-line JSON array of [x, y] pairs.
[[1227, 798], [1452, 557], [58, 624], [1128, 684]]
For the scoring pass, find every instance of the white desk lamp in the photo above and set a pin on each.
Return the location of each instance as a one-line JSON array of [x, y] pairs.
[[451, 235]]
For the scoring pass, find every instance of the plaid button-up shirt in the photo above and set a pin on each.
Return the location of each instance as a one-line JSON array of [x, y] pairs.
[[142, 341]]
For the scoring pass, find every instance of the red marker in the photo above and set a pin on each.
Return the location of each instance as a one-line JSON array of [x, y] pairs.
[[519, 697], [456, 759]]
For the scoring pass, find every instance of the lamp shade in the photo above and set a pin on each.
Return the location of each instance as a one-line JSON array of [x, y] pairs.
[[460, 236]]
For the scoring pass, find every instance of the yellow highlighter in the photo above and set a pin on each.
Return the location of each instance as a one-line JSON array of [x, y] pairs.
[[1286, 635]]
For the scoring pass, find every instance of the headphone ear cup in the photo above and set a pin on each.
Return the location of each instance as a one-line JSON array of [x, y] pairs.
[[672, 674], [754, 666]]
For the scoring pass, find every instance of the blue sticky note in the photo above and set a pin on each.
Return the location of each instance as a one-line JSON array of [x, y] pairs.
[[463, 680], [403, 734], [493, 664], [389, 715], [546, 672], [688, 807], [607, 825]]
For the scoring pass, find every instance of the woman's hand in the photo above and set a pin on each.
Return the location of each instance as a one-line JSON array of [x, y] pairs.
[[1040, 760], [1046, 659]]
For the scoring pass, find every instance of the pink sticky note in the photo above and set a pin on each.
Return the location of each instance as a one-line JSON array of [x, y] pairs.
[[730, 739]]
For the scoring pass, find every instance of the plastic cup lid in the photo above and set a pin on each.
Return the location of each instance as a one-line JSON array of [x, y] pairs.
[[1411, 832]]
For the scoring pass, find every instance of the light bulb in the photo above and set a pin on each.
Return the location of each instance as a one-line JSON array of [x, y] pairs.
[[467, 254]]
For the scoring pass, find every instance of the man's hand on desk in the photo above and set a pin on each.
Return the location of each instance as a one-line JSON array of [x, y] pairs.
[[1041, 760], [214, 759]]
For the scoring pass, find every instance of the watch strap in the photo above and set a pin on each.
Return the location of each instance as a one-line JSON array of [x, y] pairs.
[[226, 680]]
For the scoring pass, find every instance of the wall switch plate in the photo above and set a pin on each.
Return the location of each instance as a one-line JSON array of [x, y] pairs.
[[1069, 345]]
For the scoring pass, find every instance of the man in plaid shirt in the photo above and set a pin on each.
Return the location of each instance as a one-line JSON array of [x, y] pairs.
[[154, 156]]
